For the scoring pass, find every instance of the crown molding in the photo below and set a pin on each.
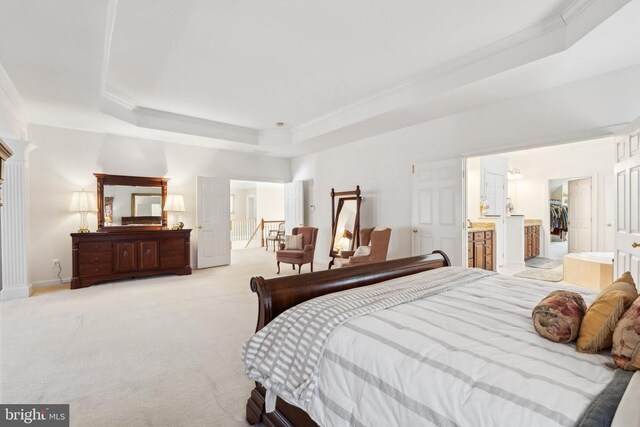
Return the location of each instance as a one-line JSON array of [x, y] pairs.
[[575, 8], [353, 121], [12, 113], [549, 37], [112, 12]]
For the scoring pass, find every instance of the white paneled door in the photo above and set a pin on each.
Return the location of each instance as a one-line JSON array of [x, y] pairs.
[[293, 205], [627, 226], [436, 209], [214, 243], [580, 215]]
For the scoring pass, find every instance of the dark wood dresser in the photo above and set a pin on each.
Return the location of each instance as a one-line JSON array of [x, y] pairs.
[[123, 254], [480, 249]]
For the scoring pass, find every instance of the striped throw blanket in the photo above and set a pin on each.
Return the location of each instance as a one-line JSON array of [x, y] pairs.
[[284, 356]]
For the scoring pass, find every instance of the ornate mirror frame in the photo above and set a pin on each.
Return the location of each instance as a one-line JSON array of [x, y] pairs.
[[137, 181], [343, 196]]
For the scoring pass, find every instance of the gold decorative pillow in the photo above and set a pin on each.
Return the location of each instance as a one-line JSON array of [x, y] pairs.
[[626, 339], [598, 324]]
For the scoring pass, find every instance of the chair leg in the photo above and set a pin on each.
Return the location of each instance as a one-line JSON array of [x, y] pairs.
[[278, 267], [312, 266], [293, 266], [299, 268]]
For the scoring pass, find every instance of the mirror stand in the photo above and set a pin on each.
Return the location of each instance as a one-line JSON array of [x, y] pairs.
[[345, 223]]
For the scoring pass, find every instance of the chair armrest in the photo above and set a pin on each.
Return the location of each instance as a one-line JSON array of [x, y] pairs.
[[309, 248]]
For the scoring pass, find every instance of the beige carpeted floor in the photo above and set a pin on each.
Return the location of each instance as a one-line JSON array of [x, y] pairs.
[[160, 351]]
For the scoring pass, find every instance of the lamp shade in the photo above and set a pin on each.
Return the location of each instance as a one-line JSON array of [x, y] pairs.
[[83, 201], [174, 203]]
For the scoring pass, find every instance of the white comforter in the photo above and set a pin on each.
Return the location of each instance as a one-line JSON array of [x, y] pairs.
[[467, 357]]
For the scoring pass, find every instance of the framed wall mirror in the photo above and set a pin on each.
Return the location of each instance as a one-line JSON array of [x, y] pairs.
[[345, 222], [131, 201]]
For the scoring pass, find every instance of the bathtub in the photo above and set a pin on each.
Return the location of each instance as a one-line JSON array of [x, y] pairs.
[[592, 270]]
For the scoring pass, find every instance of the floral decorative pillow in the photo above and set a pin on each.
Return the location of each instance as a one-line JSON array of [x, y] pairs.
[[558, 316], [626, 339]]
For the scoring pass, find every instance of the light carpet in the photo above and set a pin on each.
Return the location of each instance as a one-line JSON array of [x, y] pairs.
[[160, 351]]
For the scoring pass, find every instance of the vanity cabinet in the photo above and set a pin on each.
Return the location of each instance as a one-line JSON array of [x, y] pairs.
[[531, 241], [480, 250], [123, 254]]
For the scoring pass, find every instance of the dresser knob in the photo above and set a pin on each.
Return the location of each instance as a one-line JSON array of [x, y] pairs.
[[125, 253], [148, 252]]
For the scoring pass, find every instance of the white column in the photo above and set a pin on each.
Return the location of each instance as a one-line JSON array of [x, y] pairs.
[[14, 225]]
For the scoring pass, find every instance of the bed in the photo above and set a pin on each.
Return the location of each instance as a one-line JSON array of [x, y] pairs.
[[407, 342]]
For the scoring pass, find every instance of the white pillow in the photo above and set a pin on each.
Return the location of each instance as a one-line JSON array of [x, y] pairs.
[[293, 242], [362, 251]]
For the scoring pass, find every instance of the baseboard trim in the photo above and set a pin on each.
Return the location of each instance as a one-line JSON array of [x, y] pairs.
[[52, 282], [14, 293]]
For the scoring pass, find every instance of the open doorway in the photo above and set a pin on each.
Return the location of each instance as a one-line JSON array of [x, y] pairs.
[[256, 213], [528, 210], [559, 218], [570, 216]]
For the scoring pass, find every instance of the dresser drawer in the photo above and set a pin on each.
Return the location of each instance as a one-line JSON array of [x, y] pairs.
[[173, 243], [488, 235], [172, 261], [478, 235], [91, 258], [90, 247], [148, 255], [95, 269], [171, 250]]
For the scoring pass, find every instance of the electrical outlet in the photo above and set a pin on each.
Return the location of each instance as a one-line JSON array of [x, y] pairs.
[[55, 263]]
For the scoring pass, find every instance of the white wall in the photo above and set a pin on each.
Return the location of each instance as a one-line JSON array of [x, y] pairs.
[[270, 201], [65, 161], [594, 159], [240, 201]]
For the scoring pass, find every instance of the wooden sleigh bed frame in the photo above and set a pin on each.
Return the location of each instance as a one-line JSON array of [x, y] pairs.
[[281, 293]]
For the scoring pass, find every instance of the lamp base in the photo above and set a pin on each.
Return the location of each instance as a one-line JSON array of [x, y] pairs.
[[84, 230]]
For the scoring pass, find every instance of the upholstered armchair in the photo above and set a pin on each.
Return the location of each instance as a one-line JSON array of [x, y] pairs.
[[374, 245], [301, 256]]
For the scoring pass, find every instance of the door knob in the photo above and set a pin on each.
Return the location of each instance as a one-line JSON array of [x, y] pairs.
[[635, 245], [415, 230], [199, 226], [148, 252]]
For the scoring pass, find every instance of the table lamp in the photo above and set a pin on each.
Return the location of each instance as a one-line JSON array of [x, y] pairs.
[[83, 202], [174, 204]]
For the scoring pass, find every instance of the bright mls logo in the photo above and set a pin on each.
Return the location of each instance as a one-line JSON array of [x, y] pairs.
[[34, 415]]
